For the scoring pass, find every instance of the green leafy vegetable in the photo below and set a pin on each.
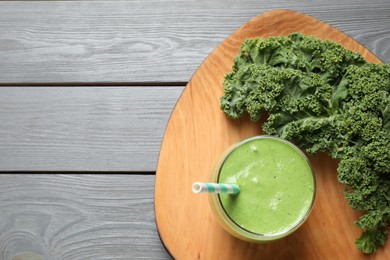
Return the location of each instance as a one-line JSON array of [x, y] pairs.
[[323, 98]]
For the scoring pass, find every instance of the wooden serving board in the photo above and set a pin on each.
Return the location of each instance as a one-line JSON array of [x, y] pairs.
[[198, 132]]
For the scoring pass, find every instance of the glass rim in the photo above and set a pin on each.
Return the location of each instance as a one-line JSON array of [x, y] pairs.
[[259, 236]]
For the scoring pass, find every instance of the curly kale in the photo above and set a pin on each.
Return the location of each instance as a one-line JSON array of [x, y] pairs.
[[259, 88], [298, 51], [370, 240], [323, 98]]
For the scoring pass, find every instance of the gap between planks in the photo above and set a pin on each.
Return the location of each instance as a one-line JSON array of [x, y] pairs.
[[95, 84]]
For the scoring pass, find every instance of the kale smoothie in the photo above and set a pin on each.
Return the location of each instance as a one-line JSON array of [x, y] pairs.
[[277, 186]]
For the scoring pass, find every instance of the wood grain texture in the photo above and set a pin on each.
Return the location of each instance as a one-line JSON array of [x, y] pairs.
[[150, 41], [198, 132], [83, 128], [72, 217]]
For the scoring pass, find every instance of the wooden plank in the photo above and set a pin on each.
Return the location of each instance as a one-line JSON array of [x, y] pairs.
[[83, 128], [78, 217], [150, 41]]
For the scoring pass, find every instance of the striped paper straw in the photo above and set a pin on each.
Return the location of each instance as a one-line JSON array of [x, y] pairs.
[[199, 187]]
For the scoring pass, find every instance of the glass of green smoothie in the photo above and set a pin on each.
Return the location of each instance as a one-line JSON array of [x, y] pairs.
[[277, 189]]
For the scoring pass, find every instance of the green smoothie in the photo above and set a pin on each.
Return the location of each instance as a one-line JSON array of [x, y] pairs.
[[276, 186]]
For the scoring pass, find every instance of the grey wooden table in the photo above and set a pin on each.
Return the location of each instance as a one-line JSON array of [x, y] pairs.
[[86, 90]]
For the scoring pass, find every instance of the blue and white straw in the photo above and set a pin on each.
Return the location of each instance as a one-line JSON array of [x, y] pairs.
[[199, 187]]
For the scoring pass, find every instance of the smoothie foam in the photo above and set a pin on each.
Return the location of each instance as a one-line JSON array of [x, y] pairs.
[[276, 182]]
